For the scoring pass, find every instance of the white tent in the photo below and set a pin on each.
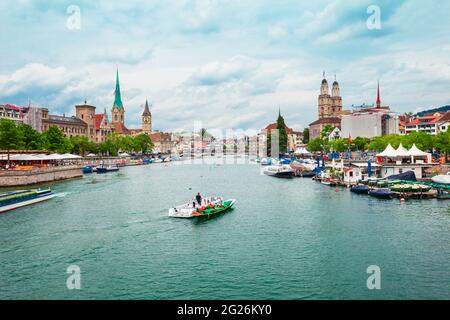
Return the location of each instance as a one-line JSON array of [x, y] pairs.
[[301, 150], [388, 152], [91, 155], [24, 157], [416, 152], [124, 155], [401, 151], [68, 156]]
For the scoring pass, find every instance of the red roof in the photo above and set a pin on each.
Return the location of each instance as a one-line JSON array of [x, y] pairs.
[[445, 117], [273, 126], [98, 120], [120, 128], [425, 120]]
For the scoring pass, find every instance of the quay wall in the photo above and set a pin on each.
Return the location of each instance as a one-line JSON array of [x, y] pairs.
[[12, 178]]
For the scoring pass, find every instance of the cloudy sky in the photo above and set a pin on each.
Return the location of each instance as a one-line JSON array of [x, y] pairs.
[[229, 64]]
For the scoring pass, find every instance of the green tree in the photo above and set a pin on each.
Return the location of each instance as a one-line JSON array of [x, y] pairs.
[[112, 145], [81, 145], [442, 143], [281, 126], [143, 143], [306, 135], [30, 138], [55, 141], [9, 136], [316, 145], [326, 131]]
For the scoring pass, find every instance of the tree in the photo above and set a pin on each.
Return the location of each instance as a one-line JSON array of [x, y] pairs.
[[82, 144], [9, 136], [30, 138], [326, 131], [55, 141], [315, 145], [283, 138], [442, 143], [143, 143], [306, 135]]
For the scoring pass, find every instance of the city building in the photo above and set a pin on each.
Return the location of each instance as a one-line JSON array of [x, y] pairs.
[[432, 124], [103, 127], [316, 128], [369, 122], [12, 112], [162, 142], [70, 126]]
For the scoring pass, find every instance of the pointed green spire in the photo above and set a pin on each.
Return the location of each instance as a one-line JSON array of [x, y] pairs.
[[117, 99]]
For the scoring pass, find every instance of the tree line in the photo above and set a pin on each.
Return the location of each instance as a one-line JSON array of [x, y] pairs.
[[21, 136], [424, 141]]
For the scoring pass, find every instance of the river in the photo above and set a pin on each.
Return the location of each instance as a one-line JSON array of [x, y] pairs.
[[285, 239]]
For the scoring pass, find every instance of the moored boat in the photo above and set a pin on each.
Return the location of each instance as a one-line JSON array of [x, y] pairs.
[[108, 168], [381, 193], [360, 189], [442, 179], [279, 171], [87, 169], [17, 199]]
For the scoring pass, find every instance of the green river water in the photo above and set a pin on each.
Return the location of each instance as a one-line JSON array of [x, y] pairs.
[[285, 239]]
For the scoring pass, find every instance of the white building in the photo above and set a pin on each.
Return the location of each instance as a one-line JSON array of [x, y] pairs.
[[370, 122]]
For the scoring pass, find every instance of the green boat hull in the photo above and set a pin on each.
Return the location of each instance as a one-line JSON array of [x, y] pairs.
[[211, 213]]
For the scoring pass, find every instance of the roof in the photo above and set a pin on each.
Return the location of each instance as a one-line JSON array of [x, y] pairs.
[[330, 120], [273, 126], [445, 117], [66, 120], [425, 120], [117, 97], [159, 136], [12, 106], [146, 112], [98, 120], [120, 128]]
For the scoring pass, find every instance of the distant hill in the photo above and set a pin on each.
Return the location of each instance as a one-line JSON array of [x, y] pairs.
[[441, 109]]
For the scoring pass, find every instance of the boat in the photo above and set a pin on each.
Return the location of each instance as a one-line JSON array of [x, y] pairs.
[[266, 161], [328, 182], [17, 199], [191, 210], [108, 168], [443, 195], [279, 171], [442, 179], [214, 210], [87, 169], [158, 160], [360, 189], [307, 174], [381, 193]]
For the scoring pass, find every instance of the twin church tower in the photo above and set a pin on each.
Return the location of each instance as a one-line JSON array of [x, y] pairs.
[[329, 105], [118, 111]]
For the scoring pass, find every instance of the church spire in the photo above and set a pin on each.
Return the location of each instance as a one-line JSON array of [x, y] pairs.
[[146, 109], [117, 98], [378, 97]]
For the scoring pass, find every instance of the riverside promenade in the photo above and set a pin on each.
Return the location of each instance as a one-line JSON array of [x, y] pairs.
[[17, 178]]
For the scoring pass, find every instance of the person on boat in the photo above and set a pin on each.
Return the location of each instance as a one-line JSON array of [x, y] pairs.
[[198, 197]]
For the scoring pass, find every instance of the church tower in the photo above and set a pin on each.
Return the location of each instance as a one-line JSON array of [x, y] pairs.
[[118, 112], [146, 119], [324, 99], [336, 99]]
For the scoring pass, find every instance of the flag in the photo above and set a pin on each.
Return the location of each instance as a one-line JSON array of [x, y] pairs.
[[350, 140]]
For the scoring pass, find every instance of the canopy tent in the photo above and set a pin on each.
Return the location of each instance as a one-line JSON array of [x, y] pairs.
[[91, 155], [416, 152], [69, 156], [388, 152], [401, 151], [301, 150], [24, 157], [124, 155]]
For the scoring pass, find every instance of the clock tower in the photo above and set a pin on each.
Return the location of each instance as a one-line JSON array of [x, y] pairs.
[[146, 119]]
